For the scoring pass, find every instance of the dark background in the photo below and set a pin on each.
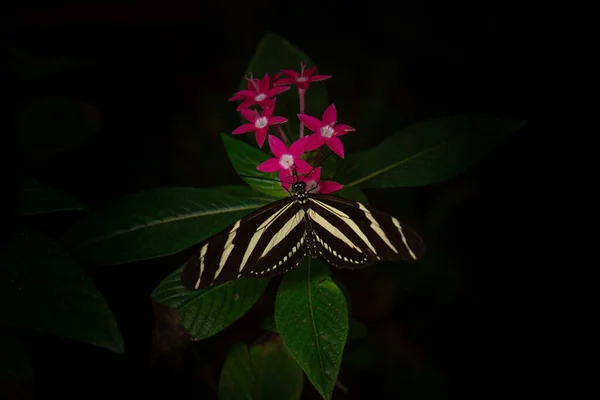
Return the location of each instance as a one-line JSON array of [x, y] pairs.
[[152, 80]]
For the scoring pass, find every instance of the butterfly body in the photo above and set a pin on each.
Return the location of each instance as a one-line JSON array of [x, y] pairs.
[[275, 239]]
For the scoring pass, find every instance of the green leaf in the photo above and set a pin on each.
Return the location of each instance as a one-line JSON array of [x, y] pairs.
[[15, 368], [311, 314], [356, 329], [273, 54], [159, 222], [42, 288], [208, 311], [36, 198], [245, 158], [353, 193], [427, 152], [265, 371], [49, 125]]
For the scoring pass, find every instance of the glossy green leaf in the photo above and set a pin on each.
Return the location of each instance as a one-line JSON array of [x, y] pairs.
[[42, 288], [273, 54], [245, 158], [356, 329], [427, 152], [159, 222], [208, 311], [15, 369], [311, 315], [265, 371], [37, 198]]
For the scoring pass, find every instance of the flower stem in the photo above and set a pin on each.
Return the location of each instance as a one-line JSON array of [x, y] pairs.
[[301, 96], [282, 134]]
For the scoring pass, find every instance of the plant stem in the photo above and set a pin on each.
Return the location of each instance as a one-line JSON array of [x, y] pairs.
[[302, 98], [282, 134]]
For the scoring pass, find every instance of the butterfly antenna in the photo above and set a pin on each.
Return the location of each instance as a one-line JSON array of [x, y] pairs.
[[261, 179], [320, 162]]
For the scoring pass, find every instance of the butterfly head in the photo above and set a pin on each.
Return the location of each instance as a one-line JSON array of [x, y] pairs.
[[298, 188]]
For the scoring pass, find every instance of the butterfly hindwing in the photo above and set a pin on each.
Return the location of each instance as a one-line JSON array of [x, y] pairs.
[[378, 235], [338, 239]]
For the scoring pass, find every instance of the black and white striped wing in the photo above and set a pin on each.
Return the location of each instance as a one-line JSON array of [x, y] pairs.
[[351, 235], [267, 242]]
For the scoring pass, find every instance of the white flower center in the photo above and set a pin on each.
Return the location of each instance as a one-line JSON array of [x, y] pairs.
[[261, 122], [286, 161], [327, 131], [312, 184], [301, 79], [260, 97]]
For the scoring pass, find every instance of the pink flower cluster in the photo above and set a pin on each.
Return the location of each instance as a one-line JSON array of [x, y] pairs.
[[261, 94]]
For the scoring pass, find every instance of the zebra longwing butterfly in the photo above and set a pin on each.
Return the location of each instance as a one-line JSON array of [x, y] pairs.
[[275, 238]]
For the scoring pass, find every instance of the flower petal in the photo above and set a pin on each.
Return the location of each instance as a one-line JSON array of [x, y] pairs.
[[277, 120], [314, 141], [261, 134], [286, 178], [265, 103], [317, 78], [335, 144], [245, 128], [327, 187], [309, 72], [284, 81], [302, 166], [263, 85], [330, 115], [342, 129], [245, 104], [291, 73], [268, 110], [249, 115], [271, 165], [311, 123], [297, 148], [278, 148], [277, 90]]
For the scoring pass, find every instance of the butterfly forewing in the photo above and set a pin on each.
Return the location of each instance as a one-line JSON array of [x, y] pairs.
[[380, 236], [226, 255]]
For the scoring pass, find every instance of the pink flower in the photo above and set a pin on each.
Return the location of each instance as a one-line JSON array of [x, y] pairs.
[[259, 123], [302, 79], [285, 158], [326, 131], [314, 183], [258, 93]]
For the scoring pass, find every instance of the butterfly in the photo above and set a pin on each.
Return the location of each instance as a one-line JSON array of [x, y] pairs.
[[275, 238]]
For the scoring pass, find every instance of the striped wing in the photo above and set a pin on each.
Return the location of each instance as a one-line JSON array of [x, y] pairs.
[[351, 235], [267, 242]]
